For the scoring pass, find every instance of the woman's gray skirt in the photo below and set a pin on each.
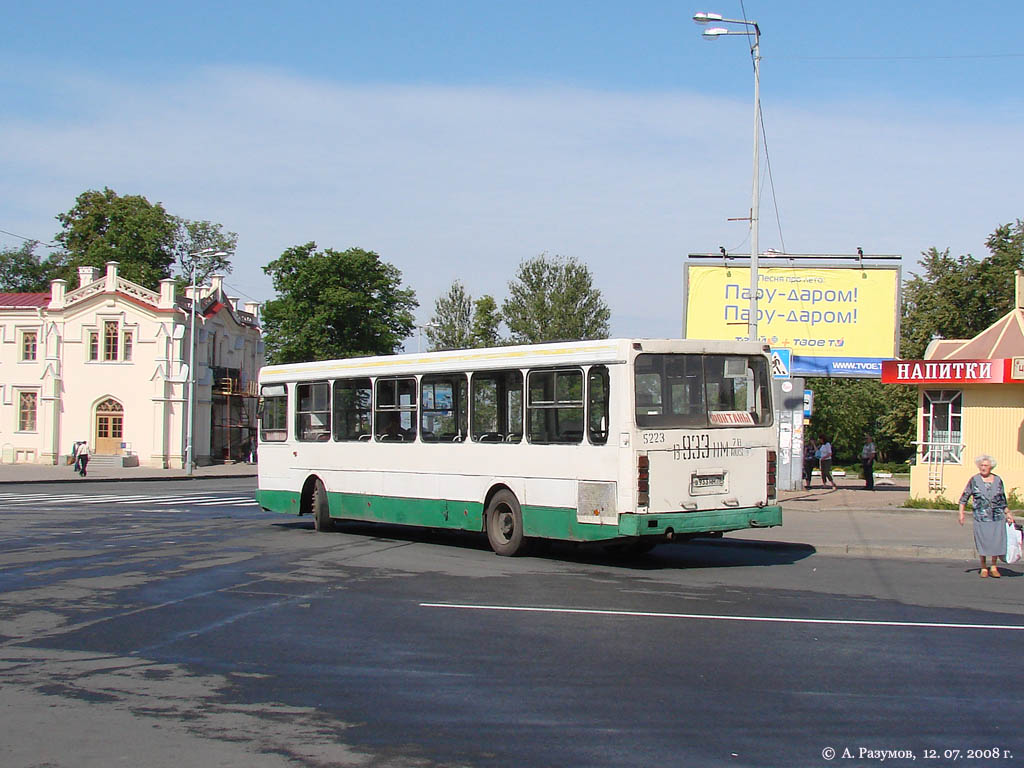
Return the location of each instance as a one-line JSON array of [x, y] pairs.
[[990, 537]]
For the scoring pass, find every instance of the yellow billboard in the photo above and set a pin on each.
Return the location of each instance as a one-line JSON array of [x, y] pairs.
[[829, 312]]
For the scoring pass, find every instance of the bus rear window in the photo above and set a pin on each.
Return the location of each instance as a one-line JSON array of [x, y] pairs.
[[698, 391]]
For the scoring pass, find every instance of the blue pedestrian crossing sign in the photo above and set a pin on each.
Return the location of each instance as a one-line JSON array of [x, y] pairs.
[[781, 363]]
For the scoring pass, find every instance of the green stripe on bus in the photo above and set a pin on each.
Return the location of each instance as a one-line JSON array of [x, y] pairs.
[[539, 522], [279, 501], [430, 513], [700, 522], [560, 523]]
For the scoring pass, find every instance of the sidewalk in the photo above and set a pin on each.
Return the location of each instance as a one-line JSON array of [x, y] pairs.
[[849, 521], [48, 473], [861, 523]]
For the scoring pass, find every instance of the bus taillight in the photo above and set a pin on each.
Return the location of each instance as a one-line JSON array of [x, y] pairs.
[[772, 463], [643, 481]]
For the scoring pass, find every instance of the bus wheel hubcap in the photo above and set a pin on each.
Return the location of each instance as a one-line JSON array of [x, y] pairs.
[[506, 524]]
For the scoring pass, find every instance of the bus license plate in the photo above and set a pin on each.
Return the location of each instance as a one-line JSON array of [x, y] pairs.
[[706, 483]]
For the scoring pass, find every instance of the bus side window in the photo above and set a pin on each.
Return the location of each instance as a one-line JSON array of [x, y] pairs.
[[555, 406], [395, 410], [352, 404], [274, 413], [597, 405], [443, 409], [313, 411], [497, 413]]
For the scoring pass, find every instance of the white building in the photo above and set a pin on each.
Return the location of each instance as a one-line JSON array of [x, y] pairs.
[[108, 363]]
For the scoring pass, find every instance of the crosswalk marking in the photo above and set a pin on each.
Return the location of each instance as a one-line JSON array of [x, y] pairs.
[[160, 500]]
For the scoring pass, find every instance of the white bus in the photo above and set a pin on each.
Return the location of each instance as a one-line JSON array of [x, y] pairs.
[[626, 441]]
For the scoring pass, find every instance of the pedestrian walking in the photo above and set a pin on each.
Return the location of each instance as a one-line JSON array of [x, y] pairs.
[[74, 455], [867, 462], [825, 462], [83, 457], [988, 497]]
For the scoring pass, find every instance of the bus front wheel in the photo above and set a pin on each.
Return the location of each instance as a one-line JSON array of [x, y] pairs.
[[505, 524], [321, 509]]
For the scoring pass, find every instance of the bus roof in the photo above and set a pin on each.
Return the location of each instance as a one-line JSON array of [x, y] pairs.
[[601, 351]]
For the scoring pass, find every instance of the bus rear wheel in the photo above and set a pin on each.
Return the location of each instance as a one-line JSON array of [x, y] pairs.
[[321, 509], [505, 524]]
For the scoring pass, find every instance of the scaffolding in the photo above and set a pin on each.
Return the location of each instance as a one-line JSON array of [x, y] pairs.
[[232, 417]]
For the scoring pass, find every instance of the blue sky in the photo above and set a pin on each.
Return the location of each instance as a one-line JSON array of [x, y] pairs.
[[458, 138]]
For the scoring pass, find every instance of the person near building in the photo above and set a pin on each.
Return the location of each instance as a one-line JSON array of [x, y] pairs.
[[988, 497], [83, 457], [825, 462], [74, 455], [810, 457], [867, 462]]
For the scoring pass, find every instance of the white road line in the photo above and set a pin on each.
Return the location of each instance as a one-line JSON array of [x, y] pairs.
[[719, 617], [183, 499], [50, 500]]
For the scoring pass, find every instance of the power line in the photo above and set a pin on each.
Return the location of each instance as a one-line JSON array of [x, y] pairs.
[[235, 289], [30, 239], [958, 57], [771, 182]]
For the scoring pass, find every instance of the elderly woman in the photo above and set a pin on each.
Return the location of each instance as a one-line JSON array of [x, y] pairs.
[[990, 513]]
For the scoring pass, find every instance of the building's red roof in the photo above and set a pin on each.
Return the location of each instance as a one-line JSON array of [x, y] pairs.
[[24, 299], [1004, 338]]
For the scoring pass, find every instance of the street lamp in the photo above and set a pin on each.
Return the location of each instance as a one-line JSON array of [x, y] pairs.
[[755, 206], [421, 328], [189, 450]]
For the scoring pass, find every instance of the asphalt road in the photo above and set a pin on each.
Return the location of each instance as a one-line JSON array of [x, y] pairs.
[[175, 624]]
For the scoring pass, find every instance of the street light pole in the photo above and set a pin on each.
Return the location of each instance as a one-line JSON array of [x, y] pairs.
[[755, 198], [190, 447], [755, 201], [191, 371], [421, 328]]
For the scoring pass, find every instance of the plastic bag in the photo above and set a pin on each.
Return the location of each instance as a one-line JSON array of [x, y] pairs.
[[1013, 544]]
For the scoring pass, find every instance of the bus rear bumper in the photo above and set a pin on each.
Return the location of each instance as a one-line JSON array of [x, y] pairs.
[[671, 524]]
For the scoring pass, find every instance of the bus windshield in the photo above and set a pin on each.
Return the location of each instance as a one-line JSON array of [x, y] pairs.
[[702, 391]]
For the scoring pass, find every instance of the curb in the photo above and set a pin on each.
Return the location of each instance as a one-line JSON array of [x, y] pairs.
[[915, 552], [886, 510]]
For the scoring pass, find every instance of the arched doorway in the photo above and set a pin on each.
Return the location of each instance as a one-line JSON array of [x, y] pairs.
[[109, 427]]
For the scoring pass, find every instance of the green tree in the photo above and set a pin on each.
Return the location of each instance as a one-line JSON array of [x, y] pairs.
[[333, 304], [204, 244], [951, 298], [957, 298], [23, 271], [897, 428], [451, 325], [945, 300], [846, 409], [553, 299], [486, 322], [103, 226]]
